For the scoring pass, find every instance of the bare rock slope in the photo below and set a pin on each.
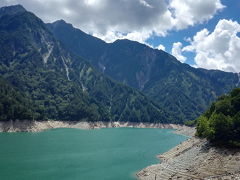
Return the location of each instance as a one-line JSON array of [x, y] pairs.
[[195, 159], [37, 126]]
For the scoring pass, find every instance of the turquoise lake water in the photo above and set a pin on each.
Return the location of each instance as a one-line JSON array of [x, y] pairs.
[[73, 154]]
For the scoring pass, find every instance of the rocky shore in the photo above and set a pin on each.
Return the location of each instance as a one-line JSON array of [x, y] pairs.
[[195, 159], [37, 126]]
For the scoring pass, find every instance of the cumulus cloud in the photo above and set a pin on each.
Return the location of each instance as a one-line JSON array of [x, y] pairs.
[[132, 19], [161, 47], [219, 49], [190, 12], [177, 52]]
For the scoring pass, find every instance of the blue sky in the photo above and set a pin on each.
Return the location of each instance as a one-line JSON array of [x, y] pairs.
[[231, 11], [211, 27]]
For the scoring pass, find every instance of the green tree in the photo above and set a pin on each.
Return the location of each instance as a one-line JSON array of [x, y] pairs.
[[221, 122]]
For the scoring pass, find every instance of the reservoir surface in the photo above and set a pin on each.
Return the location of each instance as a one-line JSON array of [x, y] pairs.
[[74, 154]]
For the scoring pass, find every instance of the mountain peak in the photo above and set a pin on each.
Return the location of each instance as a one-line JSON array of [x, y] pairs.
[[61, 22], [128, 42], [11, 10]]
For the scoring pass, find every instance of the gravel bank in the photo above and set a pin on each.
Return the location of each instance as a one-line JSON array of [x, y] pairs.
[[36, 126], [195, 159]]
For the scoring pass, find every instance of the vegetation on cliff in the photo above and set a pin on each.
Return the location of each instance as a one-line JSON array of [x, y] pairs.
[[221, 122], [182, 90], [61, 86], [13, 105]]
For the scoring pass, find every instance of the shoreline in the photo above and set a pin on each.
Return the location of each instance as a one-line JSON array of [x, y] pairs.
[[191, 159], [38, 126], [195, 159]]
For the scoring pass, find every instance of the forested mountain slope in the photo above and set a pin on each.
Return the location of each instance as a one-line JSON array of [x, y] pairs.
[[13, 104], [181, 89], [63, 86]]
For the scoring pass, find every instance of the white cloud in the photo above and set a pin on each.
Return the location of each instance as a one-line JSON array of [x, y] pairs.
[[219, 49], [161, 47], [133, 19], [190, 12], [111, 36], [145, 3], [177, 52]]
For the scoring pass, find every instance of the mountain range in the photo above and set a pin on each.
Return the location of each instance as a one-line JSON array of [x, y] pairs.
[[62, 73], [179, 88], [59, 84]]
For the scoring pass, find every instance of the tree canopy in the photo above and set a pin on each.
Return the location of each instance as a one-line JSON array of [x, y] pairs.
[[221, 122]]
